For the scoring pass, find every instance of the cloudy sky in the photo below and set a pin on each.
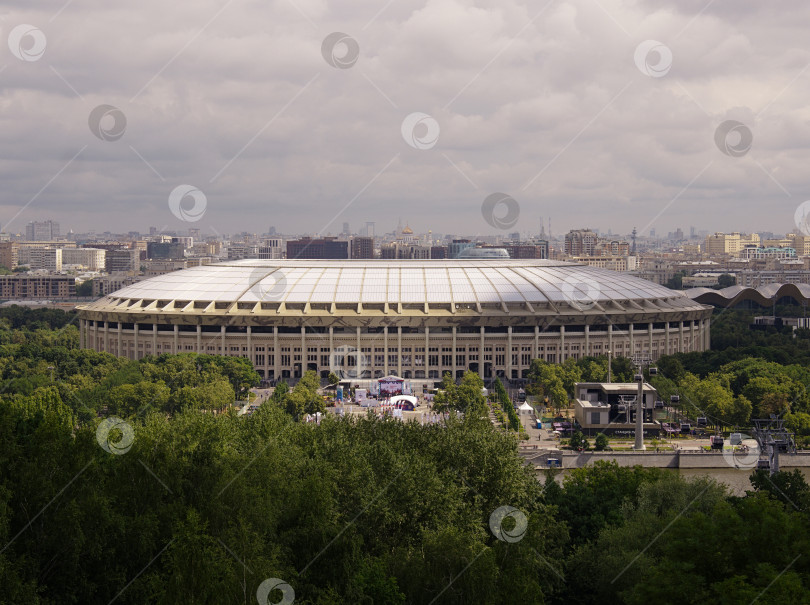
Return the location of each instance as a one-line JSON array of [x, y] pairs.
[[600, 113]]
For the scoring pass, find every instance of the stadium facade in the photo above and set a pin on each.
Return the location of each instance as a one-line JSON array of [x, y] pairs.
[[416, 318]]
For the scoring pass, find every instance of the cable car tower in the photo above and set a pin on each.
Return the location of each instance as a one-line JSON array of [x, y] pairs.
[[773, 438]]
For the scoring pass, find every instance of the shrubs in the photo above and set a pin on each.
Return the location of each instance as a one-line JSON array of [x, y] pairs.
[[503, 398]]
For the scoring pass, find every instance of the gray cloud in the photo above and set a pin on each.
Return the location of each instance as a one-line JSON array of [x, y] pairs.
[[516, 95]]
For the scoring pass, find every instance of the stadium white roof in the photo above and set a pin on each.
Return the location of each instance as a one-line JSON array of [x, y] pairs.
[[392, 286], [414, 281]]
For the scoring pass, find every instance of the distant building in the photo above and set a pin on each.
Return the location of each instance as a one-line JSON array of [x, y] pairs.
[[438, 252], [580, 242], [720, 244], [457, 245], [110, 283], [122, 261], [9, 254], [362, 247], [93, 259], [484, 253], [538, 249], [325, 248], [35, 286], [400, 250], [768, 252], [40, 257], [271, 248], [36, 231], [165, 251]]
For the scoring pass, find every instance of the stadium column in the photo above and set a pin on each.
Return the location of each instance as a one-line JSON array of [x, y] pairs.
[[199, 339], [481, 356], [119, 338], [610, 340], [587, 341], [176, 338], [509, 352], [222, 338], [399, 351], [385, 346], [692, 336], [154, 338], [650, 332], [681, 348], [250, 354], [427, 346], [632, 341], [455, 368], [95, 336], [666, 335], [81, 334], [106, 336], [277, 353], [304, 357], [536, 352], [358, 356], [561, 358], [707, 334]]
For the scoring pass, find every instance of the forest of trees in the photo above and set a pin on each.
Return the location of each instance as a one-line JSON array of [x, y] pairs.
[[136, 482]]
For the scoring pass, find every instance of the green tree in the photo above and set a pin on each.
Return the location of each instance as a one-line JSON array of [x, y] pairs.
[[725, 280], [85, 288], [601, 442]]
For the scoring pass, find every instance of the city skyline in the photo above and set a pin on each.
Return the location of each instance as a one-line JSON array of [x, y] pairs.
[[643, 116]]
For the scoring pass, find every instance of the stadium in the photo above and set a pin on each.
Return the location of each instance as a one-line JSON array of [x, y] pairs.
[[417, 319]]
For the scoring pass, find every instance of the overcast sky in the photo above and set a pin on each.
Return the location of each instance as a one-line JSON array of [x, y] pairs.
[[569, 107]]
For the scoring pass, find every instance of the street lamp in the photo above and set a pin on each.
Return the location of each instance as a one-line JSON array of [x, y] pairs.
[[639, 445]]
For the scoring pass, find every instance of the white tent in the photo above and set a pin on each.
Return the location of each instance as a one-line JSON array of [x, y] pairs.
[[408, 398], [526, 409]]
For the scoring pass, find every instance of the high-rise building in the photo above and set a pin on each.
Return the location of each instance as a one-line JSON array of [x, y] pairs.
[[346, 230], [361, 247], [580, 242], [39, 231], [9, 254], [327, 247], [122, 261]]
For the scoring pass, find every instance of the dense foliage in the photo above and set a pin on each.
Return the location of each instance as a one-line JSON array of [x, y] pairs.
[[179, 500]]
